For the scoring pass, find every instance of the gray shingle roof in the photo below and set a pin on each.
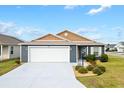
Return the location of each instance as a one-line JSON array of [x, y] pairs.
[[9, 40], [110, 45], [48, 43], [60, 43]]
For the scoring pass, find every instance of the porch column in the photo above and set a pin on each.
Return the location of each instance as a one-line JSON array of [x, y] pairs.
[[77, 54], [89, 50], [103, 51], [1, 52]]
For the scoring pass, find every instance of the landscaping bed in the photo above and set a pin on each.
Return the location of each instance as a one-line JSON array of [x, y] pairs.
[[91, 68], [112, 78], [8, 65], [77, 74]]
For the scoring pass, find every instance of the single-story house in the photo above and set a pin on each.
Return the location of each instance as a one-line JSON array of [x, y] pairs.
[[65, 46], [110, 47], [120, 47], [9, 47]]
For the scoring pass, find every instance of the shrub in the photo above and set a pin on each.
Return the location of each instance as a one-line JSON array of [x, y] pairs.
[[103, 69], [91, 59], [90, 68], [97, 71], [82, 70], [104, 58], [77, 67], [107, 50], [18, 61]]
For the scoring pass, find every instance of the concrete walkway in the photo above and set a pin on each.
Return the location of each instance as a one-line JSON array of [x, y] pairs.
[[41, 75]]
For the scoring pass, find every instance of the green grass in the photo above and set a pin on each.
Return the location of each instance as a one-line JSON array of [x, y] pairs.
[[7, 66], [112, 78]]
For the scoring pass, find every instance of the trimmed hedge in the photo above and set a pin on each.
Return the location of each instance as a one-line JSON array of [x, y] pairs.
[[90, 68], [91, 59], [18, 61], [82, 70], [77, 67], [97, 71], [104, 58], [103, 69]]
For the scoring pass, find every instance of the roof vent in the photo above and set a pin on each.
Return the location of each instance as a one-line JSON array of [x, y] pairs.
[[66, 34]]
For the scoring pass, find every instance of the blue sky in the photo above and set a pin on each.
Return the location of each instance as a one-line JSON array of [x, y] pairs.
[[101, 23]]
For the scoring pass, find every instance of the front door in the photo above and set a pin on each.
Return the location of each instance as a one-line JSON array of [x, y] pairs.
[[82, 52]]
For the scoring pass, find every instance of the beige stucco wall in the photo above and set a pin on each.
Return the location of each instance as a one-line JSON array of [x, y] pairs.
[[5, 54], [16, 52]]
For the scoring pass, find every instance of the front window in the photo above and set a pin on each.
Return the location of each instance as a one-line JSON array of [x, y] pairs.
[[96, 51], [11, 50]]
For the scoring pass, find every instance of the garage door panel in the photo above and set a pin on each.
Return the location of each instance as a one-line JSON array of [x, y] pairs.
[[49, 54]]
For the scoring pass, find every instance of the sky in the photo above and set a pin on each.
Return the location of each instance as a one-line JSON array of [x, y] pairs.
[[103, 23]]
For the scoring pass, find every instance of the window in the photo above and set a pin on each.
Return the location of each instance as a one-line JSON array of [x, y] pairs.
[[11, 50], [96, 51]]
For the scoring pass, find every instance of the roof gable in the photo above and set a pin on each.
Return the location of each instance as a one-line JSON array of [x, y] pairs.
[[72, 36], [48, 37]]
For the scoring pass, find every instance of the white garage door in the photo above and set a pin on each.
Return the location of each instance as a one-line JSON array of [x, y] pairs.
[[49, 54]]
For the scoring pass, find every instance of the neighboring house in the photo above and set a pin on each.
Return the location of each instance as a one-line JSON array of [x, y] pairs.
[[65, 46], [110, 47], [120, 47], [9, 47]]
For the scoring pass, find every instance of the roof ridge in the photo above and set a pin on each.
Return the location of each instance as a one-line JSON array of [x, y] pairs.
[[77, 34]]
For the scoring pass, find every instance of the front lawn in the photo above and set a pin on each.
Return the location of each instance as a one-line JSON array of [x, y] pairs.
[[112, 78], [7, 66]]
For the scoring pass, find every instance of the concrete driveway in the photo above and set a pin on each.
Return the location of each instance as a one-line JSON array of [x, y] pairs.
[[41, 75]]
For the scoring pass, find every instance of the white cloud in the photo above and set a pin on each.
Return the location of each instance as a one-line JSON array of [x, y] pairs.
[[27, 30], [19, 32], [118, 28], [86, 30], [119, 32], [70, 7], [95, 36], [99, 10], [11, 28], [90, 32], [6, 26]]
